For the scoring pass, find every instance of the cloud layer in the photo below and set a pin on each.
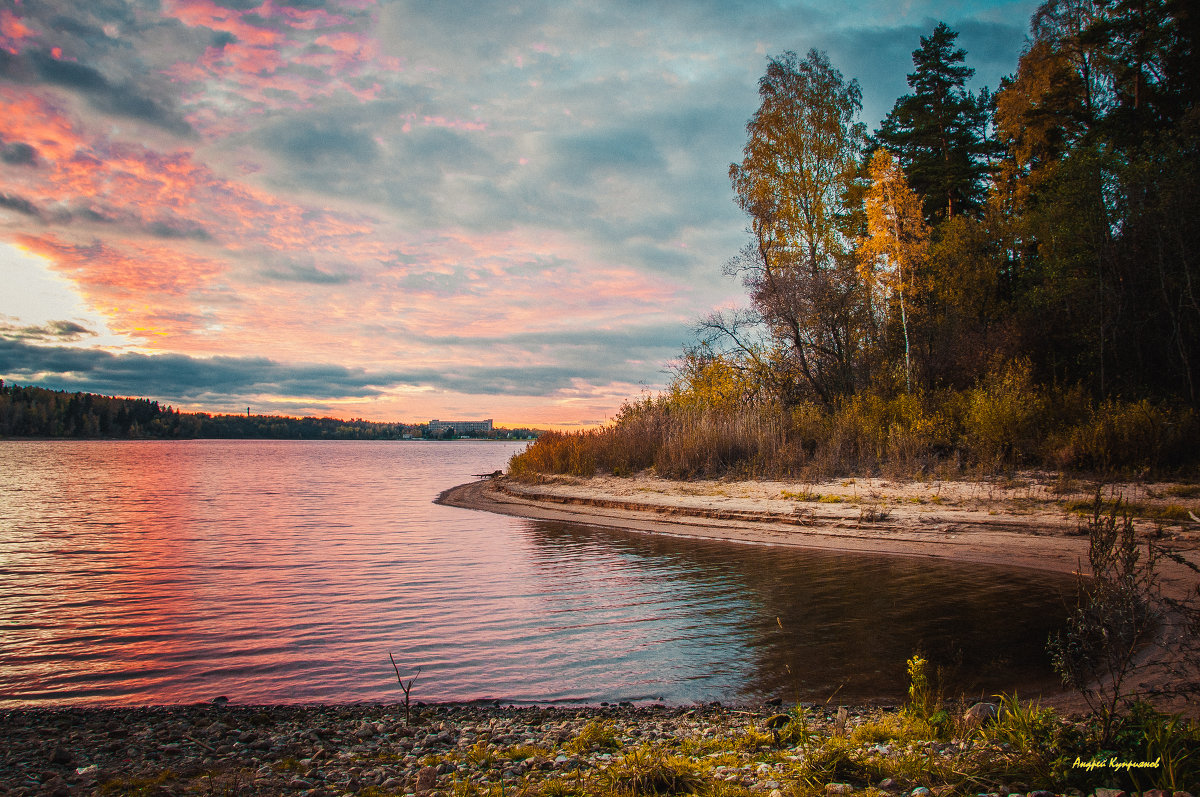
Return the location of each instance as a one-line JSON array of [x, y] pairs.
[[397, 209]]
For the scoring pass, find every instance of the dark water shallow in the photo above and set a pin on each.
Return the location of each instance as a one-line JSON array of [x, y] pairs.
[[285, 572]]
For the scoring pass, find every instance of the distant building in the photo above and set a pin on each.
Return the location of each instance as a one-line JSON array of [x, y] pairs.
[[437, 427]]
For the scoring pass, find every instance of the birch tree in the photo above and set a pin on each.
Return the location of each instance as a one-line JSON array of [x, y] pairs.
[[896, 243]]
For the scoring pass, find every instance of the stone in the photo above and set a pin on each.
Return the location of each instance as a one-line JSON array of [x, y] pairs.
[[920, 791], [1041, 793], [1110, 793], [777, 721], [1155, 793], [833, 789], [426, 778], [980, 714], [61, 757], [889, 785]]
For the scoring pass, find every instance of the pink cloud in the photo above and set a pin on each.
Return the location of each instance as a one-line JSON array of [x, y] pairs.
[[12, 30]]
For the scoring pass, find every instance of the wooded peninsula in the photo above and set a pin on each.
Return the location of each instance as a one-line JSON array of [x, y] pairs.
[[988, 280]]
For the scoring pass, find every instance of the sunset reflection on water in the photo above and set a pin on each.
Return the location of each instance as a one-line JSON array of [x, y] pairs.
[[278, 572]]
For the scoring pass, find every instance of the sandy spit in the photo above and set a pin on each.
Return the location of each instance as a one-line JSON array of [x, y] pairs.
[[1012, 522], [1022, 522]]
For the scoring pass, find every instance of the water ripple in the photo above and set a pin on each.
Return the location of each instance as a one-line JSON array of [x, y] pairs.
[[158, 572]]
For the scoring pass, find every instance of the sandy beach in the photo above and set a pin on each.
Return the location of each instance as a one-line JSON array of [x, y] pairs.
[[1019, 522]]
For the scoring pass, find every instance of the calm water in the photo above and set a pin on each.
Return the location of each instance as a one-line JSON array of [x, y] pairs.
[[163, 572]]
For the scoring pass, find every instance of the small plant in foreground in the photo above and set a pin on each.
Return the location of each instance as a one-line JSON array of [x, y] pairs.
[[1113, 619], [406, 688], [596, 735], [647, 771]]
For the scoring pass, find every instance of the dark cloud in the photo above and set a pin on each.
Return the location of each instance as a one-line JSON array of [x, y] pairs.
[[178, 229], [307, 273], [51, 331], [178, 377], [222, 39], [619, 150], [321, 141], [238, 5], [18, 153], [124, 99], [19, 204]]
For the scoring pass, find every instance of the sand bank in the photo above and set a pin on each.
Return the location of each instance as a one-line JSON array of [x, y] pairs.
[[1015, 522]]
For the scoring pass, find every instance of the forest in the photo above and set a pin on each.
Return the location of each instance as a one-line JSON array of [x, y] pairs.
[[38, 412], [989, 280]]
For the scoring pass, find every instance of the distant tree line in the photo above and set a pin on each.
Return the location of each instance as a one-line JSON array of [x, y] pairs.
[[989, 279], [39, 412]]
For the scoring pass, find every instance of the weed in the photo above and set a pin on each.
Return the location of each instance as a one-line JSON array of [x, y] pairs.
[[1113, 618], [873, 513], [406, 688], [1030, 731], [521, 752], [596, 735], [1184, 490], [140, 785], [646, 771]]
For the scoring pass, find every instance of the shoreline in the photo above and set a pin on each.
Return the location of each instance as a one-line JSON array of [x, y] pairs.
[[969, 522], [995, 529]]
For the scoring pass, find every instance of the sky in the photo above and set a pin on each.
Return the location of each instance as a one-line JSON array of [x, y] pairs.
[[398, 210]]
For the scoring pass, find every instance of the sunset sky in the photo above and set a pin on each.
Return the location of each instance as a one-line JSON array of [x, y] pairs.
[[397, 210]]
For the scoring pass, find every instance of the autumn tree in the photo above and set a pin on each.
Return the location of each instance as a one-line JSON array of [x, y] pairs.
[[798, 169], [896, 243]]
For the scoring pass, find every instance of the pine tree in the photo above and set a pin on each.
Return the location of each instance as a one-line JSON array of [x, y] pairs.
[[937, 131]]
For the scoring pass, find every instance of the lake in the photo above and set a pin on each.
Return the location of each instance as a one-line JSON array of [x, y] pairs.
[[135, 572]]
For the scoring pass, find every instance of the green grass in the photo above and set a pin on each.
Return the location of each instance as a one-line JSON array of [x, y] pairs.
[[1167, 514]]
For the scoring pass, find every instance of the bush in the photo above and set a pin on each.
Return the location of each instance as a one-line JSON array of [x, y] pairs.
[[1005, 420]]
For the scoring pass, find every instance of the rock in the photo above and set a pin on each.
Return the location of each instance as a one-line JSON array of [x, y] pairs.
[[1155, 793], [1181, 794], [61, 757], [220, 701], [920, 791], [56, 787], [1110, 793], [833, 789], [889, 785], [775, 793], [980, 714], [426, 778], [1043, 793], [777, 721]]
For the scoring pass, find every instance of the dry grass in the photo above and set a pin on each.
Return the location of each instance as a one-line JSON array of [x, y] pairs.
[[1001, 425]]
